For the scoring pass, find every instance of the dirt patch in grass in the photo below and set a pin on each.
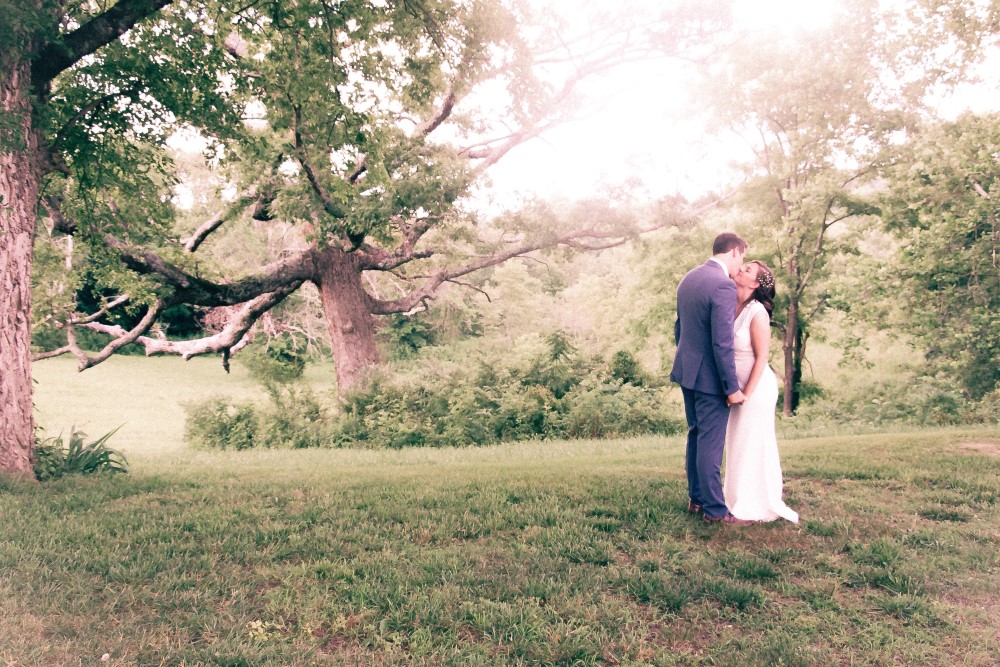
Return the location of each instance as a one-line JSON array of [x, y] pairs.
[[988, 448], [976, 613]]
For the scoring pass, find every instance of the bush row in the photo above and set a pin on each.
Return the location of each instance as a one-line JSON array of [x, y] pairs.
[[558, 394]]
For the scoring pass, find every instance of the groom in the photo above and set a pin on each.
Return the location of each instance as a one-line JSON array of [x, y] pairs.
[[705, 368]]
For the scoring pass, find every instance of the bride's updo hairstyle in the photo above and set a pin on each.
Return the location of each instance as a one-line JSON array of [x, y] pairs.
[[765, 286]]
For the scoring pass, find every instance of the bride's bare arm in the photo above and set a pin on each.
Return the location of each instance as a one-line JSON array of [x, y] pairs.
[[760, 341]]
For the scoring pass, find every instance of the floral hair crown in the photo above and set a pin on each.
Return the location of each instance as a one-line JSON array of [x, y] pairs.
[[765, 279]]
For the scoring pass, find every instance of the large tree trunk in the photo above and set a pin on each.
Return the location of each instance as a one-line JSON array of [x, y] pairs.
[[19, 182], [347, 311]]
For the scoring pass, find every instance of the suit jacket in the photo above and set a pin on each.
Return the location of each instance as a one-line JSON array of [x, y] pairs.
[[706, 307]]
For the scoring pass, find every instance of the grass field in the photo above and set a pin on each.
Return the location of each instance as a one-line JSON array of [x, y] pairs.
[[558, 553]]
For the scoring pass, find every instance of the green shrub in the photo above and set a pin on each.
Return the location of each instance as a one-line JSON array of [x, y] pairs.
[[407, 335], [219, 423], [557, 393], [293, 418], [600, 409], [54, 458], [626, 368], [281, 359], [925, 400]]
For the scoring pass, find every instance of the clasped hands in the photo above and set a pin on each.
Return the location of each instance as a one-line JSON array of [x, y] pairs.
[[735, 398]]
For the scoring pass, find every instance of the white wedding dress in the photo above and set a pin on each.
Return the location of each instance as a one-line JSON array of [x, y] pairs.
[[752, 485]]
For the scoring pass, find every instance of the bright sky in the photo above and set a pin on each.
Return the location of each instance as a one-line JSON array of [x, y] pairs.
[[638, 123], [643, 125], [638, 128]]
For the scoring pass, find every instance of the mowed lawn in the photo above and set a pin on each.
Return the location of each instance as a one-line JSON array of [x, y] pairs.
[[553, 553]]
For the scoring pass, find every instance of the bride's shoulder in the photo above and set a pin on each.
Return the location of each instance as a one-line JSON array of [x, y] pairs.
[[758, 309]]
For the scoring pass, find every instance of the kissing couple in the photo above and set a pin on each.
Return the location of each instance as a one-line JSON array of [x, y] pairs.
[[723, 335]]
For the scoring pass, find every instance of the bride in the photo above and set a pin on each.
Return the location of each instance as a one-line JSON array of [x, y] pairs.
[[752, 485]]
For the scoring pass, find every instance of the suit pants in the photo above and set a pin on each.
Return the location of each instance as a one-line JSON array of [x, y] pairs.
[[707, 418]]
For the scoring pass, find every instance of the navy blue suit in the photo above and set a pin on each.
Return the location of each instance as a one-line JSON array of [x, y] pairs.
[[705, 368]]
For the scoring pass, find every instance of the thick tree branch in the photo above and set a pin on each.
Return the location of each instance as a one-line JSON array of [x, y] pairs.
[[121, 337], [192, 242], [377, 259], [65, 51], [60, 223], [188, 287], [584, 239], [440, 115], [200, 292], [432, 282], [231, 338], [114, 303], [329, 205]]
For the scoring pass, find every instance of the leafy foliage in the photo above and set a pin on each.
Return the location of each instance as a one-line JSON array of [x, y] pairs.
[[220, 424], [53, 457], [559, 393], [292, 418], [280, 359], [941, 207], [407, 335]]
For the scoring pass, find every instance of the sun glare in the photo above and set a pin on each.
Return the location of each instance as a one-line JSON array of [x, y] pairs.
[[787, 16]]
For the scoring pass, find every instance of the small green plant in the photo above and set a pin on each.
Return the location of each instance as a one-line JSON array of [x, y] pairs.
[[223, 424], [408, 335], [54, 458], [626, 368], [292, 418], [279, 360]]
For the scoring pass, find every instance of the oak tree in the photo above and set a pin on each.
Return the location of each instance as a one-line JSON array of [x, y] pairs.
[[378, 119]]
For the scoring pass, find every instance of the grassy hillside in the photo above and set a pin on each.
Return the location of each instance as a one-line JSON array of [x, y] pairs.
[[553, 553], [146, 397]]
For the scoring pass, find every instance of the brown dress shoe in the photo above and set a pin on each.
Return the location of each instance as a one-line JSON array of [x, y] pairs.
[[693, 507], [728, 520]]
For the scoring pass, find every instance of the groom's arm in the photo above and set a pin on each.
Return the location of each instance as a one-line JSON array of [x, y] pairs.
[[723, 313]]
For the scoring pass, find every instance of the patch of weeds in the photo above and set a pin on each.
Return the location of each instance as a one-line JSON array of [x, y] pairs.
[[606, 525], [878, 553], [967, 491], [54, 457], [821, 596], [570, 645], [579, 545], [783, 650], [778, 555], [543, 589], [889, 580], [737, 596], [945, 514], [747, 567], [824, 529], [648, 563], [665, 593], [905, 607], [753, 569], [928, 540], [865, 475]]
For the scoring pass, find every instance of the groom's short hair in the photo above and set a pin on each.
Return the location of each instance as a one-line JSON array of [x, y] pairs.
[[726, 241]]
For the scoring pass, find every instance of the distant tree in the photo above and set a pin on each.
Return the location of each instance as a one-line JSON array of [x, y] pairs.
[[818, 111], [943, 204]]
